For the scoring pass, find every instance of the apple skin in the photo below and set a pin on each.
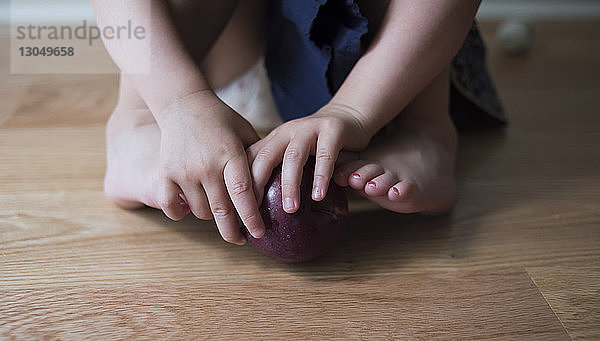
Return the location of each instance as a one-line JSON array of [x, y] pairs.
[[309, 232]]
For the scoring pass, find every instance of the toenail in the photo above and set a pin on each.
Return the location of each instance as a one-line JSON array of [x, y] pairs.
[[356, 176], [372, 184], [396, 191]]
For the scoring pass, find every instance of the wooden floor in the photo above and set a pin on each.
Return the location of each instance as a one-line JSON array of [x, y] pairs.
[[519, 258]]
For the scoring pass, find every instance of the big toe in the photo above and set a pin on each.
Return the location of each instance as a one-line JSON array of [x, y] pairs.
[[343, 173], [407, 197], [402, 191]]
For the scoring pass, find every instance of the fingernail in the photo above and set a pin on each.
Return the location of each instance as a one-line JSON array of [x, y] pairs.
[[258, 233], [372, 184], [356, 176], [317, 193], [288, 204], [396, 191]]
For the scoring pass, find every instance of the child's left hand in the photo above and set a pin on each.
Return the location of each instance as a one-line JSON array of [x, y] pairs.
[[323, 134]]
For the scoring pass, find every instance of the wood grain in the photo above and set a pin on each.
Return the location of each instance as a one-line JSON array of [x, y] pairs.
[[576, 289], [498, 305], [72, 265]]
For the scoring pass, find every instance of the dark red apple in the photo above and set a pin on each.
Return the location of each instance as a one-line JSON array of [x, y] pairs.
[[307, 233]]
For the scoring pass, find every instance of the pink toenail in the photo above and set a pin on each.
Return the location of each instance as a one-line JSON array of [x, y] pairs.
[[182, 200], [396, 191], [372, 184], [356, 176]]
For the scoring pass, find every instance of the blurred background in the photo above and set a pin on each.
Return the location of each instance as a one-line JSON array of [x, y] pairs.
[[63, 11]]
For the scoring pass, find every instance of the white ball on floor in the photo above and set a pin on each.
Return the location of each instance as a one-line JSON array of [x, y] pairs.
[[515, 35]]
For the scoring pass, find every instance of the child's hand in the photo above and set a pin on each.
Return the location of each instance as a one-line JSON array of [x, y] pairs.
[[322, 134], [203, 165]]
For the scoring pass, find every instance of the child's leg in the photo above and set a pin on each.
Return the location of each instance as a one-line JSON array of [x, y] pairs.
[[409, 166], [133, 136]]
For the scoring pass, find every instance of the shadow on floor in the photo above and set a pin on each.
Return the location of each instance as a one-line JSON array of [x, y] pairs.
[[376, 241]]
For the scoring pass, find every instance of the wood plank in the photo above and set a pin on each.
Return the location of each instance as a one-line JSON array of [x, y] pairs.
[[10, 99], [53, 99], [573, 291], [78, 236], [57, 159], [78, 102], [528, 199], [483, 306]]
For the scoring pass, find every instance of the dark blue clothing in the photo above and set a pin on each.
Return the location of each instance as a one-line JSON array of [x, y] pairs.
[[312, 46]]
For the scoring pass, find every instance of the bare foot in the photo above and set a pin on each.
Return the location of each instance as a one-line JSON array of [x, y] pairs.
[[133, 143], [144, 164], [132, 153], [133, 149], [409, 166], [133, 139]]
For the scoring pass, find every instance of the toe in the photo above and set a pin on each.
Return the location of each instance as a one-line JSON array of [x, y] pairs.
[[343, 173], [172, 201], [358, 179], [401, 191], [381, 184]]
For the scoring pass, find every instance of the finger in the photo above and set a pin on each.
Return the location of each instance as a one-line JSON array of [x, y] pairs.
[[271, 141], [171, 200], [326, 154], [239, 186], [223, 211], [294, 159], [343, 172], [264, 156], [247, 133], [252, 150], [197, 201]]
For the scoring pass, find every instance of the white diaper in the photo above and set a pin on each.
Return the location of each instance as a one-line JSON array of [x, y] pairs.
[[250, 95]]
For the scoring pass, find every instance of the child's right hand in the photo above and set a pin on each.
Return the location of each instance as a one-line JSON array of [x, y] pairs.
[[204, 167]]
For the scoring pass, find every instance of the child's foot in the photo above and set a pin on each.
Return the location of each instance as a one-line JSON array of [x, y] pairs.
[[133, 139], [409, 166], [409, 170], [132, 153], [133, 149]]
